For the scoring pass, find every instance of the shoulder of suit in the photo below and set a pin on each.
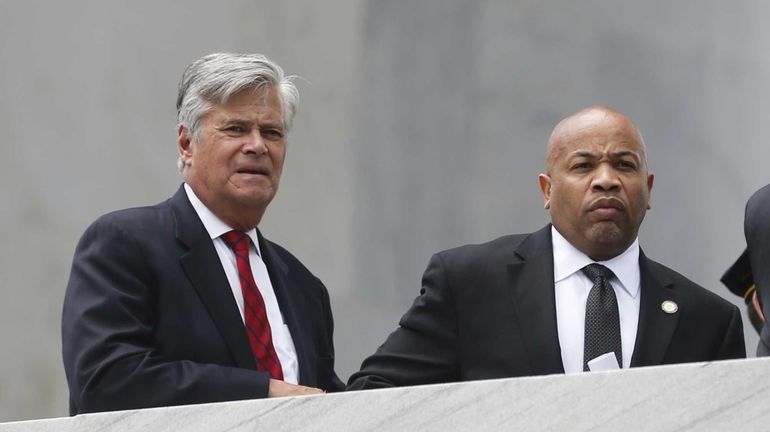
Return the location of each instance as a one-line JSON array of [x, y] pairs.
[[280, 250], [685, 287], [288, 258], [145, 219], [763, 194], [758, 208], [501, 246]]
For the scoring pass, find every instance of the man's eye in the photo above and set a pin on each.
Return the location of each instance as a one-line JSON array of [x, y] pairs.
[[581, 166], [272, 134], [235, 129], [626, 165]]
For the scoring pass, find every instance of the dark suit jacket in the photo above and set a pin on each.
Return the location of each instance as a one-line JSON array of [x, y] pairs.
[[150, 320], [757, 229], [488, 311]]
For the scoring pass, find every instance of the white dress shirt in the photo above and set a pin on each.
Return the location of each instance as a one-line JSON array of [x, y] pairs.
[[282, 341], [572, 288]]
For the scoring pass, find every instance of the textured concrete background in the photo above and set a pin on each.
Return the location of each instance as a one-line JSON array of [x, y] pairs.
[[422, 126]]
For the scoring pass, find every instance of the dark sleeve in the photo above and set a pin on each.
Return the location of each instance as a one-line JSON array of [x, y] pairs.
[[733, 345], [111, 356], [423, 349], [328, 379], [757, 232]]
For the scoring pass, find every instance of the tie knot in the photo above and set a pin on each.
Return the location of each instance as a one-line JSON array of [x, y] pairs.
[[597, 271], [238, 241]]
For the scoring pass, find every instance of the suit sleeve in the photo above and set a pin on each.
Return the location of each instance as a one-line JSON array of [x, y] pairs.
[[757, 232], [423, 350], [327, 377], [110, 353], [733, 345]]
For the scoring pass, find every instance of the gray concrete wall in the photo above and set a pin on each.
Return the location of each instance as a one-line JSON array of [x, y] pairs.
[[422, 126], [717, 396]]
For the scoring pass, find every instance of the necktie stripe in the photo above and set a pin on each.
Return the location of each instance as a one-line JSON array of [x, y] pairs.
[[257, 339], [253, 312]]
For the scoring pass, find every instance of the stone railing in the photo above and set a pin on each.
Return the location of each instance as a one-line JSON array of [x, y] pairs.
[[717, 396]]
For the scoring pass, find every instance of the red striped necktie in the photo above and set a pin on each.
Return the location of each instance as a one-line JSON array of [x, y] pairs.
[[254, 312]]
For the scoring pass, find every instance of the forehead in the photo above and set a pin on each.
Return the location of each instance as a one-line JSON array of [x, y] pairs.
[[596, 133]]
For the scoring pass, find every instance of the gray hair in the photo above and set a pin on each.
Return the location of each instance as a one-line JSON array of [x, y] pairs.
[[216, 77]]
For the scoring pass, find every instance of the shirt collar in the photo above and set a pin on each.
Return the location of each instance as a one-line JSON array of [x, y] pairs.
[[213, 224], [567, 260]]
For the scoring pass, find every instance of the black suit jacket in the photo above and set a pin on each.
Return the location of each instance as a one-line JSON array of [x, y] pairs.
[[488, 311], [149, 318], [757, 229]]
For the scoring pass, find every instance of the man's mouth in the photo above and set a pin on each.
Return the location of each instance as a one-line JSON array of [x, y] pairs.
[[606, 208], [253, 171], [605, 213], [607, 204]]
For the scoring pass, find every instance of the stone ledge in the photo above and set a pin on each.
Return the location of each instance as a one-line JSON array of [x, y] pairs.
[[715, 396]]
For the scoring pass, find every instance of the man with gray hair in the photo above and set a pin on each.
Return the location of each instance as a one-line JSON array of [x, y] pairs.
[[185, 301]]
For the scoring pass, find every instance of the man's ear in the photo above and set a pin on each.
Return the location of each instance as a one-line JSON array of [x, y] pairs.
[[545, 187], [650, 181], [184, 144]]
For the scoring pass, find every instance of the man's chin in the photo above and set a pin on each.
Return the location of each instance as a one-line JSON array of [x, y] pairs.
[[259, 198], [607, 240], [606, 233]]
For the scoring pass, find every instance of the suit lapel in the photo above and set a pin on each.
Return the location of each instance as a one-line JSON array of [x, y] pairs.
[[290, 302], [202, 266], [531, 276], [656, 327]]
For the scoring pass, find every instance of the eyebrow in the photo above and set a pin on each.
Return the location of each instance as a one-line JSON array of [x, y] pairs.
[[582, 153], [617, 154], [623, 153], [234, 119], [244, 121]]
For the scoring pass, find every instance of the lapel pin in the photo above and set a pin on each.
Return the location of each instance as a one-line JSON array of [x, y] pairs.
[[669, 307]]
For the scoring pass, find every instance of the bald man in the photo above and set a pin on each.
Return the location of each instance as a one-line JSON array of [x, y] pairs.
[[578, 295]]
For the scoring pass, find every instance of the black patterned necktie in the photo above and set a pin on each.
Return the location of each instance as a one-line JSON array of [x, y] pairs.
[[602, 330]]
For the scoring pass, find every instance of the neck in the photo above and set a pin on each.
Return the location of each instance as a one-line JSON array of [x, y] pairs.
[[237, 216], [240, 220]]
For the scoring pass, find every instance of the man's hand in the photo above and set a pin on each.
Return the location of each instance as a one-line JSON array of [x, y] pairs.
[[281, 389]]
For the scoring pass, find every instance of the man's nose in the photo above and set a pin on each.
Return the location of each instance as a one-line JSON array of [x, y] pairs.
[[605, 179], [255, 143]]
